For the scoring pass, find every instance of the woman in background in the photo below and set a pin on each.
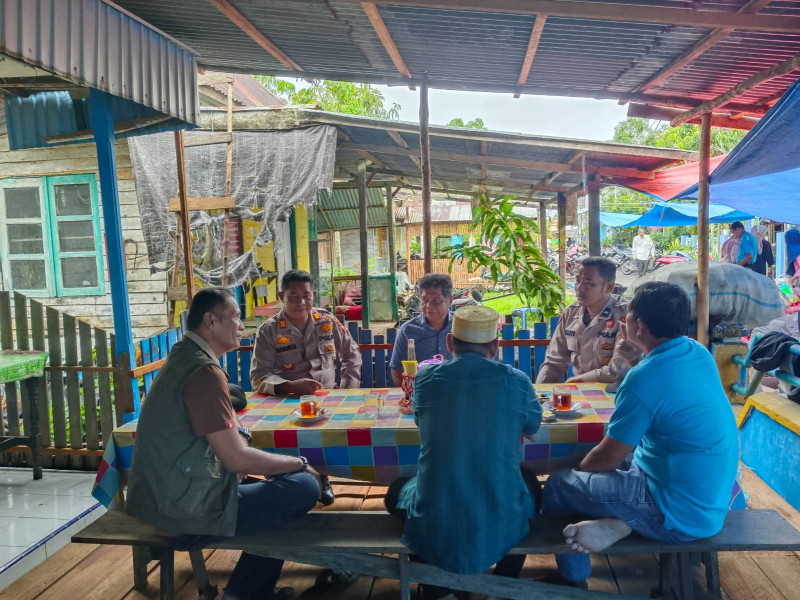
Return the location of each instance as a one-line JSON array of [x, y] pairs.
[[765, 258]]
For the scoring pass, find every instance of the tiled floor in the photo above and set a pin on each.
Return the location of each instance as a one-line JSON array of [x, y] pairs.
[[37, 518]]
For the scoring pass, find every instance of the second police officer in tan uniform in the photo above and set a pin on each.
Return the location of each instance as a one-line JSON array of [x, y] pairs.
[[588, 333], [295, 351]]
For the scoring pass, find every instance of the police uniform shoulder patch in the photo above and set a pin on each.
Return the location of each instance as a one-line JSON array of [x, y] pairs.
[[288, 366], [610, 323], [606, 360], [606, 346], [326, 327], [283, 340], [316, 316], [329, 348], [282, 323]]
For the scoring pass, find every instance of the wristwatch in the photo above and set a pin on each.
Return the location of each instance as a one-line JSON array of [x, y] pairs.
[[245, 433]]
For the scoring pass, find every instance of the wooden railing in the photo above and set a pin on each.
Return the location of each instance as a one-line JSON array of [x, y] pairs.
[[747, 385], [77, 403]]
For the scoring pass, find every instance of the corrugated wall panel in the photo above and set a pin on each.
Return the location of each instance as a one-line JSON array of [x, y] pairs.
[[95, 44]]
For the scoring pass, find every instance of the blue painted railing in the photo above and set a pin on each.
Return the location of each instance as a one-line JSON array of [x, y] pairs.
[[746, 386], [526, 351]]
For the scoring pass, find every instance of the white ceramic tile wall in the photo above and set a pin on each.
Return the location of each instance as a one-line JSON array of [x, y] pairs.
[[37, 518]]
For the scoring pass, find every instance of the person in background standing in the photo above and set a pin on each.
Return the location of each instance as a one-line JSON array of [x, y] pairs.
[[643, 250], [748, 247], [765, 259], [793, 263], [729, 250]]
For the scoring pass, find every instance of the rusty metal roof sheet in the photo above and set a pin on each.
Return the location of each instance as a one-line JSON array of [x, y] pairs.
[[338, 210], [483, 48]]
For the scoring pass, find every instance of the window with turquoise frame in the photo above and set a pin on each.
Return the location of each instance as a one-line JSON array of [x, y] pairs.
[[52, 244]]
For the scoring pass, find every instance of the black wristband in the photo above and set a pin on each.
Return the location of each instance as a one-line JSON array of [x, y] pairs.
[[245, 433]]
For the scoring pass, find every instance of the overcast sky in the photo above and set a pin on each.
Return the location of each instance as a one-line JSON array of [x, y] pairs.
[[541, 115]]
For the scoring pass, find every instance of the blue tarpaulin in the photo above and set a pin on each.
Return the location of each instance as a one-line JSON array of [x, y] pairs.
[[762, 174], [673, 214]]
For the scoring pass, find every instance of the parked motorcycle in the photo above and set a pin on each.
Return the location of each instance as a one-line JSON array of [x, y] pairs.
[[413, 306], [658, 261]]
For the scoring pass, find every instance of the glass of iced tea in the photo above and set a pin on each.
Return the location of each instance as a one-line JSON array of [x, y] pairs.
[[562, 397], [308, 406]]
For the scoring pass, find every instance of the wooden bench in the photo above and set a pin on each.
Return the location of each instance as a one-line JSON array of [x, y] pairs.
[[356, 540]]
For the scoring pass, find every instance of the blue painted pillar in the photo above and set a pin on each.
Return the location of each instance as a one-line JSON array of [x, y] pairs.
[[103, 127]]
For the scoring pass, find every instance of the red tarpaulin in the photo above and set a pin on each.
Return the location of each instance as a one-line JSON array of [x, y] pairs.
[[669, 182]]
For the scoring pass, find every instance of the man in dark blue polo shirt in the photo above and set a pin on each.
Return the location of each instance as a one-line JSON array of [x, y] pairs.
[[430, 328]]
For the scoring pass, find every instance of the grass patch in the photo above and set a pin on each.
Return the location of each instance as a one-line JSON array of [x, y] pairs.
[[504, 304]]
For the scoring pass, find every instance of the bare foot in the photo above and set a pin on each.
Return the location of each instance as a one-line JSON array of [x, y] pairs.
[[594, 536]]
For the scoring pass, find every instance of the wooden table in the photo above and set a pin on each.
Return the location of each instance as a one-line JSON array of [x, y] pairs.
[[27, 366], [376, 450]]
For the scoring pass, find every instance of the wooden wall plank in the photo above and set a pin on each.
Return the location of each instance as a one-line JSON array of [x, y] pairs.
[[89, 395], [56, 380], [73, 386], [38, 343]]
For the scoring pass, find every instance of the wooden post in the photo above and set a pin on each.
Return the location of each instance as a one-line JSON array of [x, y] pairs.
[[390, 229], [183, 196], [408, 244], [543, 230], [228, 177], [562, 240], [103, 126], [425, 167], [362, 231], [391, 243], [594, 218], [703, 197], [313, 245]]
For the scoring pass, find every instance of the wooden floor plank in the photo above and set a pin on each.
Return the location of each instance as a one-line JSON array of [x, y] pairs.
[[348, 497], [742, 579], [36, 581], [374, 498], [602, 579], [782, 569]]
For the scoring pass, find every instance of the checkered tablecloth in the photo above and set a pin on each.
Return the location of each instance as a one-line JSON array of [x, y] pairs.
[[16, 365], [378, 449]]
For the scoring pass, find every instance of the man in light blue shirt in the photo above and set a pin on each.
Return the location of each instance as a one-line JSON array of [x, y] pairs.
[[672, 412], [469, 504], [748, 245], [429, 329]]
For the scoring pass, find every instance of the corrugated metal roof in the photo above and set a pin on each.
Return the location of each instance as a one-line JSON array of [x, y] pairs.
[[484, 49], [94, 43], [523, 164], [247, 91], [339, 210], [441, 212]]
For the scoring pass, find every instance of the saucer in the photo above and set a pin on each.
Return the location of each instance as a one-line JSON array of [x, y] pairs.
[[321, 415], [574, 411]]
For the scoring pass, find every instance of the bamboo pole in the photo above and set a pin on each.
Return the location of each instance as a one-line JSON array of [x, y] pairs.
[[390, 229], [184, 216], [425, 167], [362, 235], [703, 198], [228, 176], [562, 240], [408, 241]]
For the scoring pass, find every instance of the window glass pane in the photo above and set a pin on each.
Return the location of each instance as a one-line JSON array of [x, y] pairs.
[[73, 199], [22, 203], [79, 272], [25, 238], [75, 236], [28, 274]]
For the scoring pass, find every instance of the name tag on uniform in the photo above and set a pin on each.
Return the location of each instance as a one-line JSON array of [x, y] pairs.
[[286, 348]]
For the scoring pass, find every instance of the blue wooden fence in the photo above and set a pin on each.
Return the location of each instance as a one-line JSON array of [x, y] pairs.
[[746, 386], [526, 351]]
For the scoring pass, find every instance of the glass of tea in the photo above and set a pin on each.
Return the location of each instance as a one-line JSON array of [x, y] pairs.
[[308, 406], [372, 405], [562, 397]]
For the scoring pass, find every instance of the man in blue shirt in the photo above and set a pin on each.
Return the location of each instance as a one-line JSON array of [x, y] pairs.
[[430, 328], [469, 504], [748, 246], [672, 413]]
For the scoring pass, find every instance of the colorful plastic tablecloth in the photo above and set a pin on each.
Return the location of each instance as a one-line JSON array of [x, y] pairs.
[[378, 449], [16, 365]]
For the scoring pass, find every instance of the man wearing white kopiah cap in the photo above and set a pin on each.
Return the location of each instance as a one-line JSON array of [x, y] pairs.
[[469, 504]]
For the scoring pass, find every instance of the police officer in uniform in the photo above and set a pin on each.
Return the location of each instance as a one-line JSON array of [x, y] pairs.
[[295, 351], [588, 333]]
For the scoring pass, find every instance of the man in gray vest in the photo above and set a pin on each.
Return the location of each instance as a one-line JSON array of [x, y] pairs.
[[190, 450]]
